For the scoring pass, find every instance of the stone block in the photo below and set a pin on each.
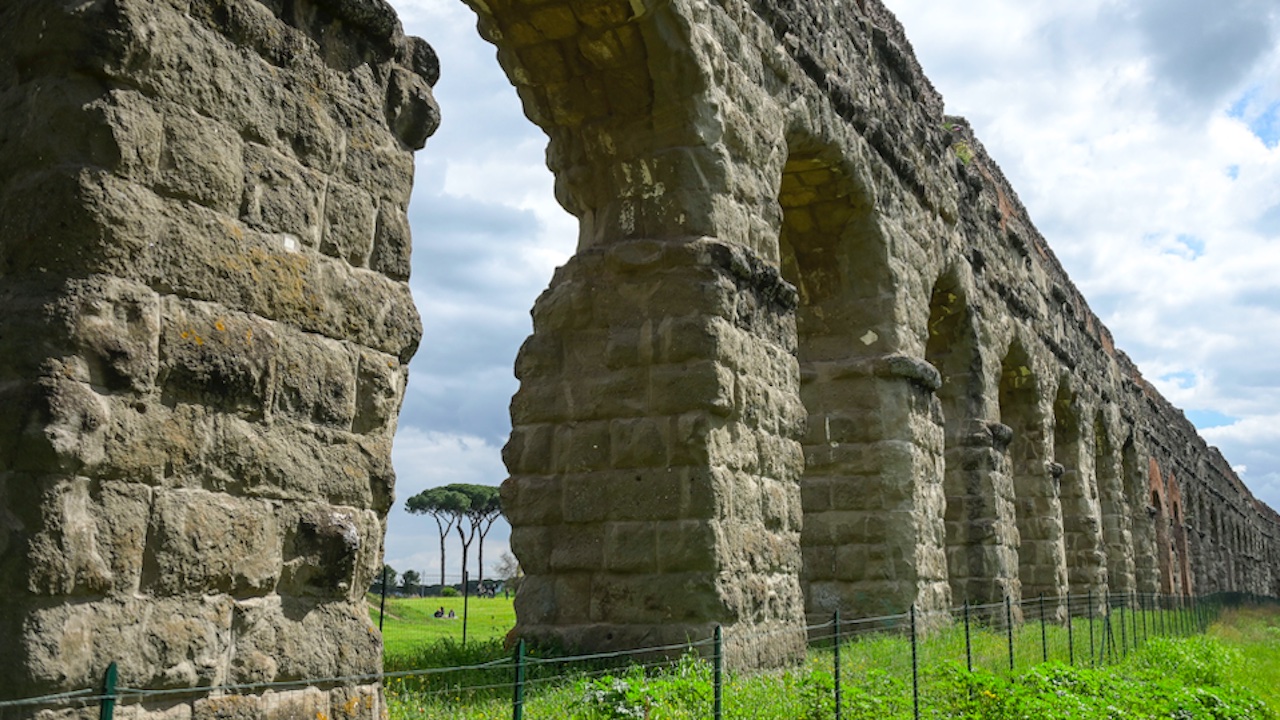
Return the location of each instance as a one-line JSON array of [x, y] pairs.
[[411, 110], [116, 326], [275, 638], [582, 447], [535, 604], [687, 546], [380, 385], [282, 196], [371, 165], [639, 443], [206, 543], [158, 643], [533, 545], [315, 381], [654, 599], [529, 449], [573, 592], [201, 161], [630, 547], [329, 552], [532, 500], [86, 538], [578, 548], [705, 385], [350, 223], [538, 402], [289, 705], [353, 703], [392, 243]]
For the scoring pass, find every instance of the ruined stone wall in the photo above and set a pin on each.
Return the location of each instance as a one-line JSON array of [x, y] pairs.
[[203, 261], [788, 249], [811, 353]]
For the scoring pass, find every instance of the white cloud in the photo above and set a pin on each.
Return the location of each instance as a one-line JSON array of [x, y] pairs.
[[1114, 121]]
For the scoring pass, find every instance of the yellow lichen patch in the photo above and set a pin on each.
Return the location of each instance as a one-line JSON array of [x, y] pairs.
[[219, 326], [233, 228]]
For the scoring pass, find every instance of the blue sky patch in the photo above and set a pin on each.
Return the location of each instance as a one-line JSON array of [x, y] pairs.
[[1205, 419], [1193, 244], [1263, 118], [1233, 172], [1184, 380]]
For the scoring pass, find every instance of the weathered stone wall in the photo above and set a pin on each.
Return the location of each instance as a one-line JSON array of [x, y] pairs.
[[788, 249], [203, 261], [811, 353]]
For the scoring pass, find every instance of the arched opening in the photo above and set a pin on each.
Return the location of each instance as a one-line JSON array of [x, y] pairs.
[[1142, 515], [1041, 565], [1164, 549], [861, 534], [1115, 510], [1081, 521], [976, 564]]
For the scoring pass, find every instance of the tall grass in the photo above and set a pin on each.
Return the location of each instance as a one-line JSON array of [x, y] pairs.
[[1191, 677]]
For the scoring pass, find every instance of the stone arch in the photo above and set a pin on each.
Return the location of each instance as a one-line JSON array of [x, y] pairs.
[[654, 460], [1161, 527], [1142, 513], [1114, 505], [979, 554], [1081, 520], [1038, 512], [868, 509]]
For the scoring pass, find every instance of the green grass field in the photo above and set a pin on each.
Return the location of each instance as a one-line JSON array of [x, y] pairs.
[[409, 625], [1232, 673], [1255, 632]]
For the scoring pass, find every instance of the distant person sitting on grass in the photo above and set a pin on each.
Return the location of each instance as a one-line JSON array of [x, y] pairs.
[[452, 615], [439, 613]]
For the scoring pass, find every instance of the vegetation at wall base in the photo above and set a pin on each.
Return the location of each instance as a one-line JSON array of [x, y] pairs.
[[1232, 673]]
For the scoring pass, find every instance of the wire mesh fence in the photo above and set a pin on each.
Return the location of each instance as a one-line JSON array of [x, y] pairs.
[[901, 665]]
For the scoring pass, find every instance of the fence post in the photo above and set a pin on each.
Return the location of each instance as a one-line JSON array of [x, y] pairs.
[[465, 585], [836, 659], [1124, 640], [1071, 637], [1044, 639], [382, 605], [1008, 624], [837, 662], [1142, 611], [517, 698], [915, 666], [718, 669], [107, 710], [968, 644], [1133, 622], [1092, 650]]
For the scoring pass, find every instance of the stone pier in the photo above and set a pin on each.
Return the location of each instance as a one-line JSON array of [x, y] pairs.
[[205, 328]]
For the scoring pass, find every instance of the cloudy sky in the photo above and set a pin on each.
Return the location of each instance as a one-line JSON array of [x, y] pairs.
[[1142, 135]]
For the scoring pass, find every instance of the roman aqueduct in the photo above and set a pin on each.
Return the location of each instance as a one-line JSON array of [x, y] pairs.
[[810, 354]]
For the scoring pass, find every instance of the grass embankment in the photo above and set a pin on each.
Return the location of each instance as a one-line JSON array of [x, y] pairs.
[[1229, 674]]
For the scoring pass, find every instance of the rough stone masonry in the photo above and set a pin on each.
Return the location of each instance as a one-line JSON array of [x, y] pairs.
[[811, 353], [206, 321]]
